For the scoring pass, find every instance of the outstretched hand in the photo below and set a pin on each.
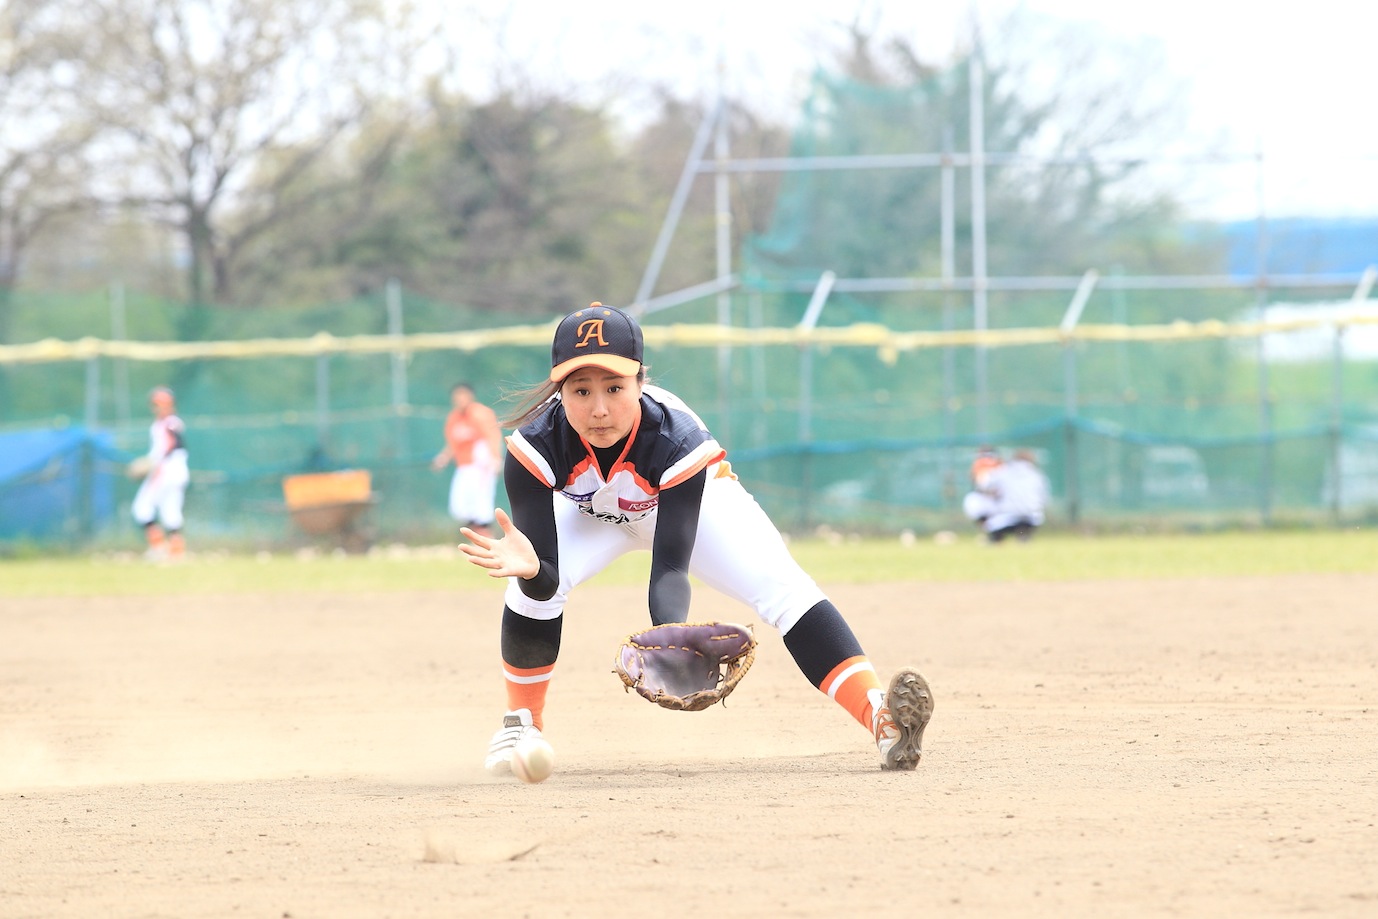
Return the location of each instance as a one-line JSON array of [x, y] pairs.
[[511, 555]]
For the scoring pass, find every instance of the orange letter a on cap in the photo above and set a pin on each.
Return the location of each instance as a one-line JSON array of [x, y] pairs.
[[590, 330]]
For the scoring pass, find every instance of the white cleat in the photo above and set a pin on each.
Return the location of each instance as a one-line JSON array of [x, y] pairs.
[[516, 725], [899, 721]]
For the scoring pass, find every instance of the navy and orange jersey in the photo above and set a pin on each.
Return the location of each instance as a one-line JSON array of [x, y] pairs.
[[667, 445]]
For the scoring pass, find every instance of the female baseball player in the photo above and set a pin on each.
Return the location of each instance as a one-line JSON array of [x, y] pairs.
[[1019, 494], [473, 442], [160, 496], [601, 464]]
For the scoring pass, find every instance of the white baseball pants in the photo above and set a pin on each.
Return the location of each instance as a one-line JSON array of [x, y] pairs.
[[738, 552]]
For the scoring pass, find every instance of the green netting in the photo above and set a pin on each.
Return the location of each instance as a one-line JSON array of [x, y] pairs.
[[1158, 434]]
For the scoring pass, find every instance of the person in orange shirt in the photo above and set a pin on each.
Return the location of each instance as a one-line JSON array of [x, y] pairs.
[[473, 442]]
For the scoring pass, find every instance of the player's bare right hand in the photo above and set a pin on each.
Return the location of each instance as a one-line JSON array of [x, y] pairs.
[[511, 555]]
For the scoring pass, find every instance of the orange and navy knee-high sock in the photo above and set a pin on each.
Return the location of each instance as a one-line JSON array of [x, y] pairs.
[[529, 650], [830, 657]]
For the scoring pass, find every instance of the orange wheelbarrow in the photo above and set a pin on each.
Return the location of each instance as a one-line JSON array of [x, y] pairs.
[[331, 504]]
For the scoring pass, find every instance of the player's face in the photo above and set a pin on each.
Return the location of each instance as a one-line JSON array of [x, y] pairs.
[[601, 406]]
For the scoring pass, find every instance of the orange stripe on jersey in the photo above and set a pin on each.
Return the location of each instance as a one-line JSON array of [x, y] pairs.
[[849, 684], [581, 467], [617, 467], [621, 462], [526, 461], [631, 439], [641, 482], [692, 471]]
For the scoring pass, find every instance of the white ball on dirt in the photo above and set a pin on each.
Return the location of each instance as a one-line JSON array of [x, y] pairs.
[[533, 759]]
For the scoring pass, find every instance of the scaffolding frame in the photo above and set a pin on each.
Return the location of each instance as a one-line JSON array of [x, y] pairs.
[[979, 283]]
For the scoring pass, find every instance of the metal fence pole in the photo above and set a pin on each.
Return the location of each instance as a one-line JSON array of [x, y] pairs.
[[980, 319], [323, 403], [400, 406], [92, 411], [1337, 426], [119, 368], [677, 202], [807, 324], [1071, 472], [755, 306], [86, 490], [948, 231], [1337, 420], [1265, 407], [723, 244]]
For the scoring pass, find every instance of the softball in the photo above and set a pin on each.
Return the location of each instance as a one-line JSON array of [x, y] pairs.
[[533, 759]]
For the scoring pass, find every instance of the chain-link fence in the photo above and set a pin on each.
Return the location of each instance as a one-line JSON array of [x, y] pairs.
[[866, 423]]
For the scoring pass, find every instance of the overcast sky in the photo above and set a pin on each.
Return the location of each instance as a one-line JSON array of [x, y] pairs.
[[1298, 86]]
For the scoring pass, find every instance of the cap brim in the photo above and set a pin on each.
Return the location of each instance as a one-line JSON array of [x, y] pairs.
[[622, 366]]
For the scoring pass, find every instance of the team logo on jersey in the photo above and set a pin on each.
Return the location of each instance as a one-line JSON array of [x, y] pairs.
[[636, 506], [590, 332], [588, 511]]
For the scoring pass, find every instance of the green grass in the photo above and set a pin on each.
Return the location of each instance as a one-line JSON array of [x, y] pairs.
[[1062, 557], [1049, 557]]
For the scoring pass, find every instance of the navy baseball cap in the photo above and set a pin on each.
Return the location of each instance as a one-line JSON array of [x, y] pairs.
[[598, 336]]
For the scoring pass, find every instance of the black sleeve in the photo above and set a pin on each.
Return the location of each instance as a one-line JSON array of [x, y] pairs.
[[677, 525], [533, 512]]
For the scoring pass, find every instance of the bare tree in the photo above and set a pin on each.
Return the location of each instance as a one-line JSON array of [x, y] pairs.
[[42, 145], [213, 108]]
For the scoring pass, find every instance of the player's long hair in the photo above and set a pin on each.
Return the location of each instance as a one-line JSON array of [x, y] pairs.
[[532, 400]]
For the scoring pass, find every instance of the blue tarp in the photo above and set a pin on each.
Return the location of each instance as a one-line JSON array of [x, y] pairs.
[[56, 484]]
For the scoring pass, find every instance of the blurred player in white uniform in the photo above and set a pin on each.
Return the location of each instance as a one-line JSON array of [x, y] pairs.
[[602, 464], [158, 503], [1019, 492], [979, 503]]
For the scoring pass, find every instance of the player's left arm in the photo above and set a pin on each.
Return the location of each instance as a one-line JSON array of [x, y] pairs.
[[677, 526]]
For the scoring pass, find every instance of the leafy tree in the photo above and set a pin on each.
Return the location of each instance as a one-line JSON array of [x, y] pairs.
[[517, 204], [525, 203]]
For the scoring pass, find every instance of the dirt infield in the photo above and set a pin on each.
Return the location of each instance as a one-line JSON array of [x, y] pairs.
[[1185, 748]]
